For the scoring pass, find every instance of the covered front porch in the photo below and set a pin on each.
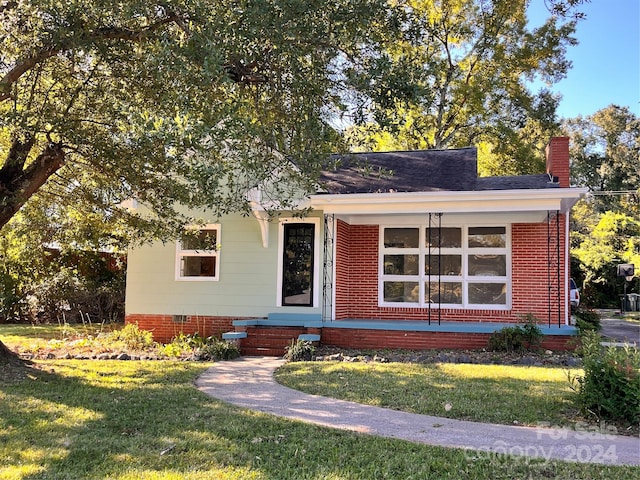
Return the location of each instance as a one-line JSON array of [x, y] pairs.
[[269, 336]]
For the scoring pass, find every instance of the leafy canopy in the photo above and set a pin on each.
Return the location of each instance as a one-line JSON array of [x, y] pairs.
[[460, 75], [182, 103]]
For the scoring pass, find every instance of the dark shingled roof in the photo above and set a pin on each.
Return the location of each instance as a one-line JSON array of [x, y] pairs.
[[417, 171], [516, 182]]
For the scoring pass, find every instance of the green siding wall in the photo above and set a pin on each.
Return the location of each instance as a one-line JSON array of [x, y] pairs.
[[246, 288]]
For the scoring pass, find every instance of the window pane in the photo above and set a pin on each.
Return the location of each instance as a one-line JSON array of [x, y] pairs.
[[443, 237], [297, 266], [488, 293], [202, 240], [445, 292], [487, 265], [401, 264], [449, 265], [404, 292], [487, 237], [401, 237], [198, 267]]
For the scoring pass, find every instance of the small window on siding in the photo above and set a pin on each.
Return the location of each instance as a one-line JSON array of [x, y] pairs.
[[198, 255]]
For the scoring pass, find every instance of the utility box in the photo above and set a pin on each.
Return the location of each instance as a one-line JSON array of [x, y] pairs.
[[633, 301]]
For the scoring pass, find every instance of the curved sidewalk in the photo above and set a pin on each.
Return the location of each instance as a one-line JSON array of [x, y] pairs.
[[248, 382]]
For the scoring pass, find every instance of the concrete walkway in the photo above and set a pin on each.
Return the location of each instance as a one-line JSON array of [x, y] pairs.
[[248, 382]]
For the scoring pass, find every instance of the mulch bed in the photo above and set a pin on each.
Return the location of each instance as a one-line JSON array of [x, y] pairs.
[[538, 359]]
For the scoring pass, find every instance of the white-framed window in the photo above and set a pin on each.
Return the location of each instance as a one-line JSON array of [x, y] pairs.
[[463, 266], [298, 262], [198, 255]]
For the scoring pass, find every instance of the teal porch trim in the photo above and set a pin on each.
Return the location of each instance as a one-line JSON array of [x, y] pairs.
[[309, 337], [456, 327], [307, 320], [234, 335]]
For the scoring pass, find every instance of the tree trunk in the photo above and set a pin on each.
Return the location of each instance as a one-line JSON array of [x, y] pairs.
[[17, 185], [7, 356]]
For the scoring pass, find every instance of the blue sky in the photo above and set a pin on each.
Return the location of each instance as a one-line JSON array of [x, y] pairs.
[[606, 62]]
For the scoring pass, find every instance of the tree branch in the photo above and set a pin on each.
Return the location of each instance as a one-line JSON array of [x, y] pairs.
[[102, 33], [20, 185]]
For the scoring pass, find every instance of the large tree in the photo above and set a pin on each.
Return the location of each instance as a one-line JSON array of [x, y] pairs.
[[605, 158], [185, 102], [461, 75], [605, 152]]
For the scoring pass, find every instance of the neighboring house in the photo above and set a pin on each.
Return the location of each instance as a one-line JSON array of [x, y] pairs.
[[401, 250]]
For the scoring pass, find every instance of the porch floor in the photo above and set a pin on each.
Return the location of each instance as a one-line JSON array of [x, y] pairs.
[[270, 336], [449, 327]]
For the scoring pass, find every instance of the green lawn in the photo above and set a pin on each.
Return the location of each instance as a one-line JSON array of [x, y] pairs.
[[89, 419], [483, 393], [35, 337], [146, 420]]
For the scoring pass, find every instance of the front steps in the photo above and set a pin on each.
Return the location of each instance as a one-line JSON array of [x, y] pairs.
[[270, 336]]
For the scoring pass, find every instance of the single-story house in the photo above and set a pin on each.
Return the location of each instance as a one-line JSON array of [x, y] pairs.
[[401, 250]]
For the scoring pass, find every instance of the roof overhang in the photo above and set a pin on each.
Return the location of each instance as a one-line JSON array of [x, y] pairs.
[[523, 205]]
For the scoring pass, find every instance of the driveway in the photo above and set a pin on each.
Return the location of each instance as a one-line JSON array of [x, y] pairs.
[[620, 330]]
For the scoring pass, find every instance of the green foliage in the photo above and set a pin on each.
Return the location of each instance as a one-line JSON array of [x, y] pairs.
[[209, 348], [299, 351], [604, 157], [587, 319], [517, 338], [458, 76], [191, 103], [46, 285], [614, 239], [147, 420], [507, 339], [610, 386], [605, 148], [218, 350], [133, 337]]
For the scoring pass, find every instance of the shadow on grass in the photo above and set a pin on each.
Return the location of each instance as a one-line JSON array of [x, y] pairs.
[[121, 420]]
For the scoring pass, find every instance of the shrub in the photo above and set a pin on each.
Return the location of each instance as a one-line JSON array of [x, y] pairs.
[[210, 348], [218, 350], [531, 332], [517, 338], [508, 339], [299, 350], [587, 319], [610, 386], [133, 337]]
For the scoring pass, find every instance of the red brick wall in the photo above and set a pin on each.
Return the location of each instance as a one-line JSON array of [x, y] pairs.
[[531, 273], [558, 159], [357, 278], [374, 339], [164, 328], [342, 255]]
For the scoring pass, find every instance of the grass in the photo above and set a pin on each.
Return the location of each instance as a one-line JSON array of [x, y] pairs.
[[483, 393], [145, 420], [32, 338], [121, 420]]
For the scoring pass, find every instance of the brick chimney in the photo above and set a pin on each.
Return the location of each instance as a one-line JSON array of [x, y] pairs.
[[558, 160]]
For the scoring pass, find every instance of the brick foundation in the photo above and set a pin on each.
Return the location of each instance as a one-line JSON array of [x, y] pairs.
[[271, 341], [397, 339], [164, 327]]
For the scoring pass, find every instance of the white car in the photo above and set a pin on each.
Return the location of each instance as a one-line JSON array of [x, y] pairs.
[[574, 293]]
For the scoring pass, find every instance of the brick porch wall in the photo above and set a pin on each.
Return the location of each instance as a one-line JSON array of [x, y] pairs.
[[357, 279], [375, 339], [164, 328]]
